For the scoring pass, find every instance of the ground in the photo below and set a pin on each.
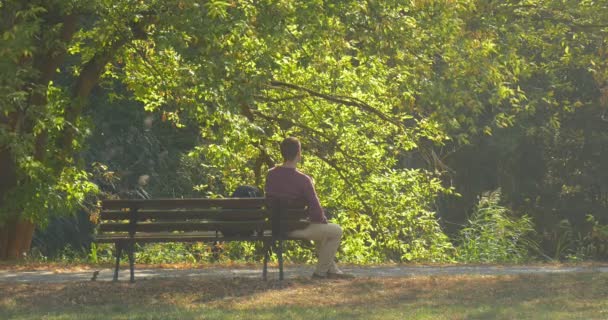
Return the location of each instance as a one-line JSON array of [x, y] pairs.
[[379, 292]]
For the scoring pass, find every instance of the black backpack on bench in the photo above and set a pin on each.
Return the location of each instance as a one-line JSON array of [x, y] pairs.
[[243, 192]]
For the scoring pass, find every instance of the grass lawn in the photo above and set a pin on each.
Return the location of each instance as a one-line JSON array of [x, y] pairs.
[[561, 296]]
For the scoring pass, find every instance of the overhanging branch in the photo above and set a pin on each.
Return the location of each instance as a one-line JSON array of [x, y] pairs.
[[88, 78], [347, 182], [348, 101]]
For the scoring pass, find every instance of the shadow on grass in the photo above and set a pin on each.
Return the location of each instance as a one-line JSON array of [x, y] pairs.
[[567, 296]]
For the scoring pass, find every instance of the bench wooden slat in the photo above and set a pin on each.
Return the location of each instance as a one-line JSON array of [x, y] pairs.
[[241, 214], [197, 226], [229, 203], [184, 226], [181, 237], [201, 226], [216, 214]]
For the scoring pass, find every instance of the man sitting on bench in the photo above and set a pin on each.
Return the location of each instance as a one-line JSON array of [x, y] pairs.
[[285, 181]]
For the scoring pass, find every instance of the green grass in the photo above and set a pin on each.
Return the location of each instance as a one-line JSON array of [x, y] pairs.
[[566, 296]]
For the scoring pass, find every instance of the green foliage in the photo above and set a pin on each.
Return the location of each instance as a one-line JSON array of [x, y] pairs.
[[44, 193], [190, 253], [388, 218], [574, 245], [596, 245], [521, 94], [172, 253], [492, 235], [62, 231]]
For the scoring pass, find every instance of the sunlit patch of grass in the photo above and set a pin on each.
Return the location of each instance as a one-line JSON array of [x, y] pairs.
[[554, 296]]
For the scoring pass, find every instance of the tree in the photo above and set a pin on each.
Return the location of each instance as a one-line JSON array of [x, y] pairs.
[[226, 65], [41, 125]]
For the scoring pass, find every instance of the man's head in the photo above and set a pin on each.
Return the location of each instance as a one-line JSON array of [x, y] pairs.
[[291, 149]]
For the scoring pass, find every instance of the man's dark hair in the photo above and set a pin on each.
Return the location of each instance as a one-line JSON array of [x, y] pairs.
[[289, 148]]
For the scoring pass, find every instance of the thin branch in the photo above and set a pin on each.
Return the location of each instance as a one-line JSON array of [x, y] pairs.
[[347, 156], [87, 79], [303, 126], [431, 158], [348, 182], [544, 14], [264, 155], [266, 99], [348, 101], [153, 69]]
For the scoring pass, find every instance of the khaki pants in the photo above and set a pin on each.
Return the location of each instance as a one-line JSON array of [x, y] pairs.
[[327, 240]]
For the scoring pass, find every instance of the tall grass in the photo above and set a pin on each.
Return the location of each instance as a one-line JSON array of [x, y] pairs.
[[493, 234]]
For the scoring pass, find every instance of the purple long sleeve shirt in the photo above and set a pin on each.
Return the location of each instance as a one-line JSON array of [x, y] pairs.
[[290, 183]]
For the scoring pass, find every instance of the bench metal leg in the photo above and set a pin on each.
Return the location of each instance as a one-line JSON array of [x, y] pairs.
[[132, 260], [280, 255], [118, 249], [267, 246]]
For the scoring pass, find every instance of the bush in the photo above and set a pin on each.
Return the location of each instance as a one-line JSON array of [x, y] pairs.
[[493, 236], [591, 245], [398, 224]]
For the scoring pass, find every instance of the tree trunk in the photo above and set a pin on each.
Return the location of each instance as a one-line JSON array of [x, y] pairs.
[[15, 233], [3, 242], [16, 238]]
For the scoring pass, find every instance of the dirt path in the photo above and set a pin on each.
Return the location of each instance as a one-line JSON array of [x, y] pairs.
[[291, 271]]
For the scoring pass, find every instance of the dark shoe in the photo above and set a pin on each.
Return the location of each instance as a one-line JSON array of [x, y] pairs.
[[340, 276]]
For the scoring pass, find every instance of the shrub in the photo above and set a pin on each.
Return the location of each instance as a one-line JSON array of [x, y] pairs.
[[492, 235]]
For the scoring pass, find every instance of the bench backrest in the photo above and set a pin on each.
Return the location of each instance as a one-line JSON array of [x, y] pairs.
[[233, 216]]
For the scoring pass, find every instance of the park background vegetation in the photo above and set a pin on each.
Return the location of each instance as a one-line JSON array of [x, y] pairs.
[[435, 130]]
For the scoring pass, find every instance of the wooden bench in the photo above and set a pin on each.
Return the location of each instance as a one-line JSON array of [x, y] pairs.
[[126, 222]]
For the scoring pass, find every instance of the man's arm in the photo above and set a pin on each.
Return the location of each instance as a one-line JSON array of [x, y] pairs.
[[315, 210]]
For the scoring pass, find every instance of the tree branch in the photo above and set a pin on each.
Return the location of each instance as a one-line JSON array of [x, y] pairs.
[[348, 101], [86, 81], [548, 14], [348, 182], [361, 105], [347, 156], [47, 64], [266, 99]]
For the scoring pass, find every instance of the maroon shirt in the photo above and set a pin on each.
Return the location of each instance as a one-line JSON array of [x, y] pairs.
[[290, 183]]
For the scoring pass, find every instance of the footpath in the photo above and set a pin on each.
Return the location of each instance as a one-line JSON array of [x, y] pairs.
[[291, 271]]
